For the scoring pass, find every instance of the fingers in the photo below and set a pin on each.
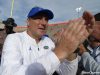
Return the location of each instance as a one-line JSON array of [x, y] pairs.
[[82, 49], [75, 27], [71, 37], [83, 35], [79, 26], [89, 20], [57, 35], [87, 16]]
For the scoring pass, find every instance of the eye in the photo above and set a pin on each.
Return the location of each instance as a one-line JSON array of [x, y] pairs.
[[40, 16], [46, 18], [36, 17]]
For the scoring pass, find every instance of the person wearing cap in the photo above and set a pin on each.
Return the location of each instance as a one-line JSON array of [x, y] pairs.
[[8, 29], [9, 25], [22, 50]]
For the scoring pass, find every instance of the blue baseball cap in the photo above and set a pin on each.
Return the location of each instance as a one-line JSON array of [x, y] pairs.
[[36, 10]]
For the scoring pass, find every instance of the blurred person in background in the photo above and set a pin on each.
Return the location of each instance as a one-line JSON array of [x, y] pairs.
[[94, 40], [93, 48], [8, 29], [9, 25]]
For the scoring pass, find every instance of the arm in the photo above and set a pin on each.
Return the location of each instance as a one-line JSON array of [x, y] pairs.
[[13, 62], [89, 63], [87, 60], [68, 67]]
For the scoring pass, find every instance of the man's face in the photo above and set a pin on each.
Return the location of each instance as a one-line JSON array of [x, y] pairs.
[[96, 30], [37, 25], [96, 34]]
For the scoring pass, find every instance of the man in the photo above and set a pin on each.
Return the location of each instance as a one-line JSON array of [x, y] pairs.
[[8, 29], [94, 40], [24, 49], [91, 60]]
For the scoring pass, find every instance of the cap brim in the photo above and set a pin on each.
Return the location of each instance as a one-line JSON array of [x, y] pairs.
[[49, 13]]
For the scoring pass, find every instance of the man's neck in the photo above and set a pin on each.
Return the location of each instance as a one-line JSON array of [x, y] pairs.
[[37, 38]]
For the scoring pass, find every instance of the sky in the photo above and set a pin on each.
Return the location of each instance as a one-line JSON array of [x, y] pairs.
[[63, 10]]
